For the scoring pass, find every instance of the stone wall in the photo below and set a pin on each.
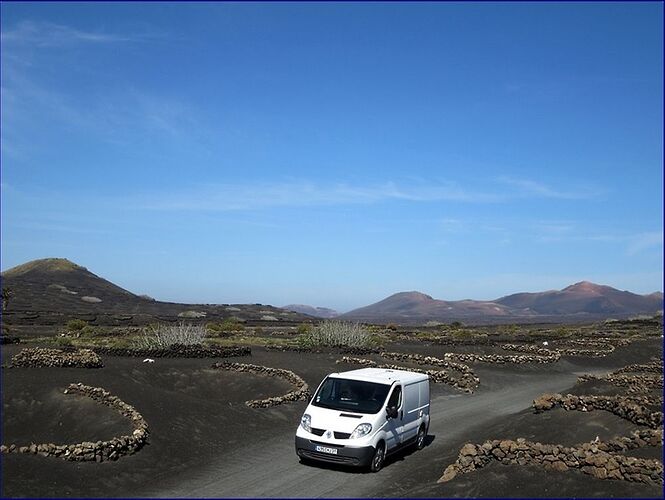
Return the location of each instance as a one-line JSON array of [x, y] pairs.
[[467, 379], [300, 393], [98, 451], [596, 458], [632, 408], [440, 376], [599, 459], [40, 357], [178, 351], [289, 348], [653, 366], [635, 383], [500, 359]]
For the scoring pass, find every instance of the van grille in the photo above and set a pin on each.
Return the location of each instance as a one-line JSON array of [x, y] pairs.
[[342, 435], [327, 457], [318, 432]]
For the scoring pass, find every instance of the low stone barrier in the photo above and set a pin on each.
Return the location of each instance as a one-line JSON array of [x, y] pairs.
[[440, 376], [654, 366], [300, 393], [531, 349], [178, 351], [466, 381], [360, 351], [41, 357], [500, 359], [98, 451], [633, 409], [635, 383], [590, 458], [289, 348]]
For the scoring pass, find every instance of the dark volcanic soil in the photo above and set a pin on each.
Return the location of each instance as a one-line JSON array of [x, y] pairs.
[[205, 442]]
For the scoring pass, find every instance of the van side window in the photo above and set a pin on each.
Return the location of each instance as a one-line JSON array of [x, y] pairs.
[[395, 398]]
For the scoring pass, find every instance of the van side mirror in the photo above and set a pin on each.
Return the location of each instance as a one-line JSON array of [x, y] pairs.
[[391, 411]]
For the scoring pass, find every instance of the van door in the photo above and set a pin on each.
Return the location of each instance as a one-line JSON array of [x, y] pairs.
[[394, 426], [412, 411]]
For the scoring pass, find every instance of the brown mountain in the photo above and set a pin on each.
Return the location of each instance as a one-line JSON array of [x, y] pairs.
[[581, 301], [317, 312], [51, 291], [416, 307], [584, 297]]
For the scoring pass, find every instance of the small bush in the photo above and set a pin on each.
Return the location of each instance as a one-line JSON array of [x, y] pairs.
[[164, 336], [463, 334], [76, 325], [304, 329], [334, 333], [232, 325], [392, 327], [88, 331], [63, 342]]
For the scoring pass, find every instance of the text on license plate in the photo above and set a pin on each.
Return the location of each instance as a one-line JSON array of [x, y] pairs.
[[326, 449]]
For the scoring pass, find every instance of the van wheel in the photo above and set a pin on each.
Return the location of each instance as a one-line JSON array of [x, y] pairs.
[[378, 458], [420, 439]]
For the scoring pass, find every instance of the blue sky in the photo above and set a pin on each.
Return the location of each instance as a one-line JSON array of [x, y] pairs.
[[333, 154]]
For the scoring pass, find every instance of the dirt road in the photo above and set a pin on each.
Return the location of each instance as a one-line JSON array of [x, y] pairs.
[[271, 469]]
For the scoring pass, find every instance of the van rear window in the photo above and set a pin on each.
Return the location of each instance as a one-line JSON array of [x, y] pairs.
[[351, 395]]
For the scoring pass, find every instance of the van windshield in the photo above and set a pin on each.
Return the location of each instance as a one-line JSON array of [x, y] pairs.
[[351, 395]]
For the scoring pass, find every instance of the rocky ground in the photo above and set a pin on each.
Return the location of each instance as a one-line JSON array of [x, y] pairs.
[[206, 440]]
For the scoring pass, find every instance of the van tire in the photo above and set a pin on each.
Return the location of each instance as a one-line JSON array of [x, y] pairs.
[[420, 438], [378, 457]]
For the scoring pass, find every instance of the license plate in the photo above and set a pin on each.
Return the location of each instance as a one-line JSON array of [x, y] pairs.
[[325, 449]]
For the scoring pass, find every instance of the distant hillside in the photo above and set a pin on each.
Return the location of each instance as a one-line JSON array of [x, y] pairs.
[[416, 307], [317, 312], [582, 300], [584, 297], [51, 291]]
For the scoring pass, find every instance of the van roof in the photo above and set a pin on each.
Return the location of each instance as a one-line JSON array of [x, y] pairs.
[[382, 375]]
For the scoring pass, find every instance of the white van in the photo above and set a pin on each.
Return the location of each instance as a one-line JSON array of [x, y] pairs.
[[360, 416]]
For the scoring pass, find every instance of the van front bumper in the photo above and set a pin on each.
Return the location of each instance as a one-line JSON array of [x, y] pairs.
[[346, 455]]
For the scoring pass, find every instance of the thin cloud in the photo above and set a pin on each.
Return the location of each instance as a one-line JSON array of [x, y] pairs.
[[531, 188], [644, 241], [50, 35], [229, 197]]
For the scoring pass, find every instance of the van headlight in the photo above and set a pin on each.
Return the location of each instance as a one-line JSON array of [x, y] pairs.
[[306, 422], [361, 430]]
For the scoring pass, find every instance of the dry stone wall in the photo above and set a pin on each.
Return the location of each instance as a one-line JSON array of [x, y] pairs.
[[98, 451], [635, 383], [178, 351], [440, 376], [41, 357], [595, 459], [653, 366], [299, 393], [600, 459], [633, 409], [466, 380]]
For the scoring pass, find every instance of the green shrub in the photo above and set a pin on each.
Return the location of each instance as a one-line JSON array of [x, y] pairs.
[[63, 342], [463, 334], [304, 329], [88, 331], [232, 325], [76, 325]]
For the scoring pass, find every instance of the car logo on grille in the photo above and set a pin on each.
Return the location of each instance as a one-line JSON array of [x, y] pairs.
[[328, 434]]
